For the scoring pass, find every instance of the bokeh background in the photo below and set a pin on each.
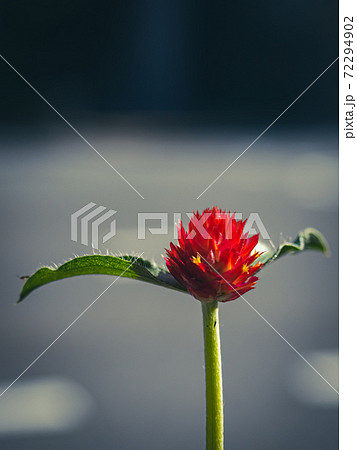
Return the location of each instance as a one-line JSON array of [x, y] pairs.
[[170, 93]]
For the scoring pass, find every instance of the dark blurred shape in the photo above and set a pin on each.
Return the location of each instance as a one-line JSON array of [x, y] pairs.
[[245, 62]]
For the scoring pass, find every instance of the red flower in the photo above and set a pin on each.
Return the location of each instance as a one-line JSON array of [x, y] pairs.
[[214, 260]]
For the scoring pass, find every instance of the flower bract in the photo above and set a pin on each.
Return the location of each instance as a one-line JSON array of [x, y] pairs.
[[214, 259]]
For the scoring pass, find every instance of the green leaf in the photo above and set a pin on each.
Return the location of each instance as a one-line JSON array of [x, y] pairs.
[[136, 268], [126, 266], [308, 239]]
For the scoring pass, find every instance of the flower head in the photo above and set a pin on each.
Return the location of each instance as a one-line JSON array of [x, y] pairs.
[[214, 260]]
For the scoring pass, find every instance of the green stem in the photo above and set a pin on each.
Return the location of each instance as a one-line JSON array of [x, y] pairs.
[[213, 367]]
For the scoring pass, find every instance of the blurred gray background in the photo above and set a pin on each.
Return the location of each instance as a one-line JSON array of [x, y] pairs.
[[170, 93]]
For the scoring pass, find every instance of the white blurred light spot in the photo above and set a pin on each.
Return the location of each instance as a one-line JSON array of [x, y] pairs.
[[262, 247], [43, 405], [308, 387]]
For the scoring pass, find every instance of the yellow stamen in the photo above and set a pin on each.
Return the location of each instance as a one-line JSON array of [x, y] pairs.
[[245, 268], [196, 259]]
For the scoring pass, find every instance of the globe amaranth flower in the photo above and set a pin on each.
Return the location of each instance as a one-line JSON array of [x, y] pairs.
[[214, 259]]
